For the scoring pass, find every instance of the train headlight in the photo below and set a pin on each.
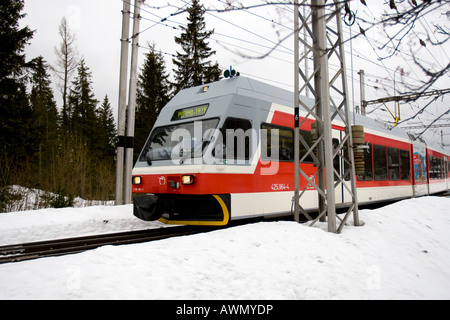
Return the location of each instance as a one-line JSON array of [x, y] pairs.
[[187, 180], [137, 180]]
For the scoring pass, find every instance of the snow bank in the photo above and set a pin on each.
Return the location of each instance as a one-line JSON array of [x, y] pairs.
[[400, 253], [47, 224], [33, 199]]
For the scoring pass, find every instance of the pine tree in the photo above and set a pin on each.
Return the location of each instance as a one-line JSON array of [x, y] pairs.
[[153, 93], [193, 66], [45, 116], [82, 105], [15, 112], [106, 130]]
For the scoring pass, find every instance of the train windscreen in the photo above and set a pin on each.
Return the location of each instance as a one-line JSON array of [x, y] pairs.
[[178, 141]]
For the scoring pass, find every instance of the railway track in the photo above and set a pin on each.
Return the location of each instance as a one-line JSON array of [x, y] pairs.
[[33, 250], [58, 247]]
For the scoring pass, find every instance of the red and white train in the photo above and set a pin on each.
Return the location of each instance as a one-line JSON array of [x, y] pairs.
[[225, 151]]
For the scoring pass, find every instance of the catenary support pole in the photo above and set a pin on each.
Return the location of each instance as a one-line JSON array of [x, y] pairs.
[[348, 130], [296, 115], [305, 39], [363, 92], [132, 101], [326, 175], [122, 101], [335, 178]]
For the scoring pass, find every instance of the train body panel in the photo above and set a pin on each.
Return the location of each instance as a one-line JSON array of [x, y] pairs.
[[224, 151]]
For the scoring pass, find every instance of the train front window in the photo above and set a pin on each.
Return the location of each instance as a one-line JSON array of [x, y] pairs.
[[178, 141]]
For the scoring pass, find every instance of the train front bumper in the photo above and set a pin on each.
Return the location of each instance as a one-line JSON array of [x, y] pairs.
[[183, 209], [148, 207]]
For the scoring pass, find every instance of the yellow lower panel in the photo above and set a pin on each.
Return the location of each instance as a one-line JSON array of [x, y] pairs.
[[226, 217]]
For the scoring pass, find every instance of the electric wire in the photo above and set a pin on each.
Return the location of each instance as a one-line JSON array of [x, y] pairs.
[[359, 55], [162, 21]]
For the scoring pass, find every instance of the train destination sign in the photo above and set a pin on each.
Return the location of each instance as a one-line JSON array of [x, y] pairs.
[[190, 112]]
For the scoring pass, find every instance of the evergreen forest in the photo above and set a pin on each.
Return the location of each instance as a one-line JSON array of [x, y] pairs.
[[69, 150]]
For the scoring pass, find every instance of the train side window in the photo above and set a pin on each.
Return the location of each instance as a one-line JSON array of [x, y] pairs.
[[238, 130], [438, 168], [307, 137], [431, 167], [405, 165], [336, 160], [368, 169], [434, 167], [394, 164], [448, 167], [285, 147], [380, 162]]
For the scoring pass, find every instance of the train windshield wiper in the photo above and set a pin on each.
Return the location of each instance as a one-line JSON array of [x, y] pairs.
[[194, 148]]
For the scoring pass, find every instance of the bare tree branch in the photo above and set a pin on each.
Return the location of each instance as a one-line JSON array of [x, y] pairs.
[[66, 59]]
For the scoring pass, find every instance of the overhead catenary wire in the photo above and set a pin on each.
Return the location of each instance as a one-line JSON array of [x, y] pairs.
[[165, 21], [228, 45], [359, 54], [432, 123], [180, 9]]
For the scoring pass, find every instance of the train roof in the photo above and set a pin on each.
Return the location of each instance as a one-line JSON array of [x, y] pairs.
[[252, 88], [238, 85]]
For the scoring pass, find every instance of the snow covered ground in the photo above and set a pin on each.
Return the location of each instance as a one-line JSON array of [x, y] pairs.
[[33, 199], [47, 224], [402, 252]]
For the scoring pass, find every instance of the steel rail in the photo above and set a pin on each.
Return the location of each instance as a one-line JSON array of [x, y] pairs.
[[58, 247], [33, 250]]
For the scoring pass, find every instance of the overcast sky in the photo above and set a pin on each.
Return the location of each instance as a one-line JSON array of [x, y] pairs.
[[97, 25]]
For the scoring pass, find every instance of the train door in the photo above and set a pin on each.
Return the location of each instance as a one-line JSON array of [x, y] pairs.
[[341, 194], [420, 169], [446, 172]]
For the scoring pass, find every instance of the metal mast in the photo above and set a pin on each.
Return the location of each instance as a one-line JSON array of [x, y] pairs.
[[132, 100], [125, 142], [324, 41], [122, 101]]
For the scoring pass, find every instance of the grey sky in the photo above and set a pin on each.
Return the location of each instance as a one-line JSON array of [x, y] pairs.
[[97, 26]]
